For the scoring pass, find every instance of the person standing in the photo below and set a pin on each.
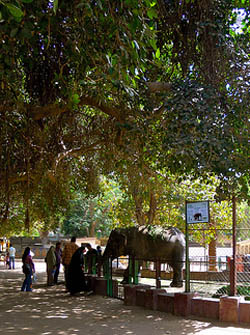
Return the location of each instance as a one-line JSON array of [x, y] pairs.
[[28, 270], [68, 251], [99, 250], [92, 256], [7, 260], [58, 254], [76, 278], [99, 260], [12, 254], [51, 265]]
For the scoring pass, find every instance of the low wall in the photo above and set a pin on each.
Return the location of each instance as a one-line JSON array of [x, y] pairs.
[[102, 286], [225, 309]]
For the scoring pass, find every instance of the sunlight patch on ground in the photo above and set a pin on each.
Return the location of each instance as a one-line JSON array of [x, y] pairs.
[[224, 331], [56, 317]]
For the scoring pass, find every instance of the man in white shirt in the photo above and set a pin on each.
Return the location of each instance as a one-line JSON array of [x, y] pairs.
[[12, 253]]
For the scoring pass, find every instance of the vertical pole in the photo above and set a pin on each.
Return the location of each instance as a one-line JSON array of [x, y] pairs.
[[130, 273], [233, 273], [158, 274], [111, 279], [108, 276], [106, 272], [187, 272], [136, 271]]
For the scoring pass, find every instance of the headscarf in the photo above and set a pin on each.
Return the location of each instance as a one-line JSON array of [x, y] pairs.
[[25, 254], [51, 257], [77, 259]]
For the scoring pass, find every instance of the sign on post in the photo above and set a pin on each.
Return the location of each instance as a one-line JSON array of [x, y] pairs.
[[197, 212]]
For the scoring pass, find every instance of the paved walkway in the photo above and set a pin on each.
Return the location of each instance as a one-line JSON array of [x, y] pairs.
[[47, 311]]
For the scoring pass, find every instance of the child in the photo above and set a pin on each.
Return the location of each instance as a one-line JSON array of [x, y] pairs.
[[7, 260]]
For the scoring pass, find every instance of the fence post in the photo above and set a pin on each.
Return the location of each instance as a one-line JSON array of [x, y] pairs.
[[108, 276], [109, 279], [136, 270], [130, 269], [187, 269], [158, 274], [233, 273]]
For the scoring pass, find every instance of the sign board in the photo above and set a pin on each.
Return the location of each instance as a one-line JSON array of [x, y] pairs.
[[197, 211]]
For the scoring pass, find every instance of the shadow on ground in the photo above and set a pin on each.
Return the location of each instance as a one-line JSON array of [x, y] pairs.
[[51, 310]]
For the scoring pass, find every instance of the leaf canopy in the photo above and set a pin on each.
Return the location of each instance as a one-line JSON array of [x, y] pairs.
[[88, 87]]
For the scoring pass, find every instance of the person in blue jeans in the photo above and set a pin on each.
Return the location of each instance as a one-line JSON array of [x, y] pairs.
[[28, 270], [12, 254]]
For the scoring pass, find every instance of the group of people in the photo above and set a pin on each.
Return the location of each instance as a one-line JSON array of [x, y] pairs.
[[73, 262], [72, 258]]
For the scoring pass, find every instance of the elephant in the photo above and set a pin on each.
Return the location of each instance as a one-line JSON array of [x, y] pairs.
[[166, 245]]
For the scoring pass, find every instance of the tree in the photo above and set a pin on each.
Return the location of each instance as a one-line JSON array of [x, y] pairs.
[[84, 83], [92, 216]]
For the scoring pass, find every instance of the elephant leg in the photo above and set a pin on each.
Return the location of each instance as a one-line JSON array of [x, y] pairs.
[[125, 276], [177, 275]]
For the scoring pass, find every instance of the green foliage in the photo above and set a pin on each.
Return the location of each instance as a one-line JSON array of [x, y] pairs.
[[170, 195], [225, 290], [87, 216], [77, 220], [76, 103]]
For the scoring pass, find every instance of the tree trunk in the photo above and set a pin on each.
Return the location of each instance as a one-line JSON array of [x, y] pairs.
[[92, 229], [212, 255], [93, 223], [44, 237]]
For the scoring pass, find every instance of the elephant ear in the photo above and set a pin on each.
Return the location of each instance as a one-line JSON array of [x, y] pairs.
[[121, 242], [122, 239]]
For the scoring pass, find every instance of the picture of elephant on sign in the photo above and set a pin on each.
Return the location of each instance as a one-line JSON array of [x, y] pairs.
[[197, 216], [157, 243]]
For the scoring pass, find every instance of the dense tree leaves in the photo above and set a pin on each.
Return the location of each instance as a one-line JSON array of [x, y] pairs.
[[90, 87], [92, 216]]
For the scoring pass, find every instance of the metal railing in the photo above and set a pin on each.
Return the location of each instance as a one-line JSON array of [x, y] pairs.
[[202, 280]]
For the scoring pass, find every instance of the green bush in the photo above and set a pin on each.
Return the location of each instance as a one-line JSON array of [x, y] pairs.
[[225, 290]]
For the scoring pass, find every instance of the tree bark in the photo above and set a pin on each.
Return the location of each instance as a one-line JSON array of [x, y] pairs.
[[212, 253], [44, 237]]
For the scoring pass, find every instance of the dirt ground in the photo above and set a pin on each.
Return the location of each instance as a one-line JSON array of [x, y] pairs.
[[50, 310]]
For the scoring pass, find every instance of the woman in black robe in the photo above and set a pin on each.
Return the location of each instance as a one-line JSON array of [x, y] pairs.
[[76, 274]]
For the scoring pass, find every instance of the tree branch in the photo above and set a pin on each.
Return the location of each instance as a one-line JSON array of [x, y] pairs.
[[39, 112], [76, 152], [101, 106], [159, 87]]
